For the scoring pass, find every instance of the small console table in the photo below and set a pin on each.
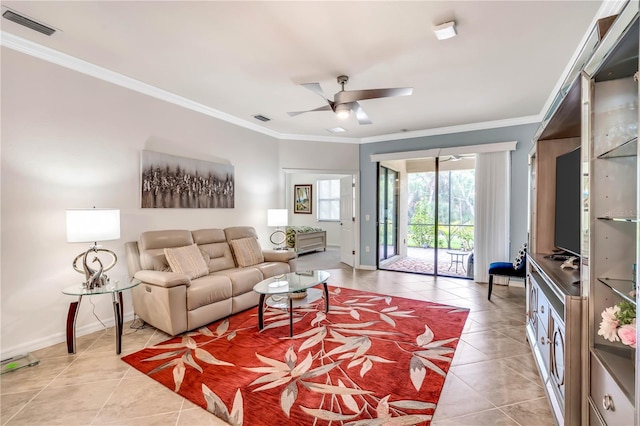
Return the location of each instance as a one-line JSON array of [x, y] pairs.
[[115, 288]]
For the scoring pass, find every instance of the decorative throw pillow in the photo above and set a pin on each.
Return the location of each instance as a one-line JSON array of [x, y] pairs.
[[519, 260], [247, 251], [187, 260]]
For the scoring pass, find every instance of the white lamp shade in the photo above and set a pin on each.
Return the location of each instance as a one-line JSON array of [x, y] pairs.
[[92, 225], [277, 217]]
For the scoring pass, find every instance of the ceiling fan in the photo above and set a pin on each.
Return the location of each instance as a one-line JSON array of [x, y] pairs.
[[456, 157], [346, 101]]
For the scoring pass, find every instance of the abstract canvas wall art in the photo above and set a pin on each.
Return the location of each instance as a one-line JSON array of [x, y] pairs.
[[170, 181]]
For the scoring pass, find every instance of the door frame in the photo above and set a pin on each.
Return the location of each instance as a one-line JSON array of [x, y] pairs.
[[396, 212], [286, 198]]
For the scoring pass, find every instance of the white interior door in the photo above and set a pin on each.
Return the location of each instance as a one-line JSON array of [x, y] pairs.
[[347, 240]]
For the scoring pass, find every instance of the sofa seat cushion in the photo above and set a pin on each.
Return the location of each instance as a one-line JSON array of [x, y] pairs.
[[206, 290], [242, 279], [271, 269], [247, 251], [187, 260]]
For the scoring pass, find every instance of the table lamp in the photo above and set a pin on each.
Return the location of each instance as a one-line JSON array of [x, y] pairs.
[[93, 225], [277, 218]]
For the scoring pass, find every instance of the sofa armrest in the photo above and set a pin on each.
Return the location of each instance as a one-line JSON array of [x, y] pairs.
[[279, 255], [162, 278]]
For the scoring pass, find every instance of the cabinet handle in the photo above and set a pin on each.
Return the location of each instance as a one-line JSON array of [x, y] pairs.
[[607, 402], [542, 340], [542, 309]]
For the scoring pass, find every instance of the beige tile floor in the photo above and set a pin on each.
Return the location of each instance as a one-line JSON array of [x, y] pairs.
[[492, 381]]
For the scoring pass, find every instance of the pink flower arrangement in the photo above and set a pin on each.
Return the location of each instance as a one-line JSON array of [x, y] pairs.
[[619, 324]]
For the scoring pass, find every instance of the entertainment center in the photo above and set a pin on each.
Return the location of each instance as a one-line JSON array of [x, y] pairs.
[[583, 232]]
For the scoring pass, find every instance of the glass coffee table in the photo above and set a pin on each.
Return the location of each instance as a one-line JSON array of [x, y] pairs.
[[276, 292]]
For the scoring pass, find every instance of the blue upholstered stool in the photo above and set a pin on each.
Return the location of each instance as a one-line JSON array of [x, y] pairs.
[[505, 269]]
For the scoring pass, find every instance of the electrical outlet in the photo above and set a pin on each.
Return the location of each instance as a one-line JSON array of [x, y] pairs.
[[367, 249], [367, 217]]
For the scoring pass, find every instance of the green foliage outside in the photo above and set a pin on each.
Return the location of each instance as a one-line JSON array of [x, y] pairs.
[[455, 209]]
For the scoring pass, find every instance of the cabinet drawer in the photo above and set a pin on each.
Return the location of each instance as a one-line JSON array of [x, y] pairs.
[[606, 393], [544, 344], [543, 310]]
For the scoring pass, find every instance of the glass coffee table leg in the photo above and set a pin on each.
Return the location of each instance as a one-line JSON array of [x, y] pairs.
[[326, 298], [290, 316], [261, 312]]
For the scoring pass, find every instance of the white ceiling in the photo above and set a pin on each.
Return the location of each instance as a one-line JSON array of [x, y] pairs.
[[237, 59]]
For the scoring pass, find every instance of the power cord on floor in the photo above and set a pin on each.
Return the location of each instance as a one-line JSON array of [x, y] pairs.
[[137, 323], [93, 310]]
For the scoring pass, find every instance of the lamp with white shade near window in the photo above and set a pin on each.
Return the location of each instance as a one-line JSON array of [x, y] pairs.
[[277, 218], [93, 225]]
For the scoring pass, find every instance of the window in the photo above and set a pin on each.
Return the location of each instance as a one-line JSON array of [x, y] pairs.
[[329, 200]]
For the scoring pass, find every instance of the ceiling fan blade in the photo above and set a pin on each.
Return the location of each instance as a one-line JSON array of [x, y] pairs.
[[322, 108], [346, 96], [362, 116], [315, 88]]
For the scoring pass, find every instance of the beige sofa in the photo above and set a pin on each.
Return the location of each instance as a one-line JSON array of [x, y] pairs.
[[178, 299]]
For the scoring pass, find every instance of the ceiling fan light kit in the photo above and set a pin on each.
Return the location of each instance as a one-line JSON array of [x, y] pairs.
[[343, 111], [445, 31]]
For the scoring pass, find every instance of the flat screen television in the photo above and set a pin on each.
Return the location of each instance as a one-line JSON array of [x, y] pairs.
[[568, 202]]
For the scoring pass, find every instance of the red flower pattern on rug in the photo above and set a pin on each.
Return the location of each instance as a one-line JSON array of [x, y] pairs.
[[372, 360]]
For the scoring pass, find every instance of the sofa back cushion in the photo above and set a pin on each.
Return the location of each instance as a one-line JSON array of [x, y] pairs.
[[153, 243], [187, 260], [213, 244], [247, 251], [237, 232]]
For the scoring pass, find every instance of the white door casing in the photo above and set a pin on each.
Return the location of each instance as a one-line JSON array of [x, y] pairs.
[[347, 240]]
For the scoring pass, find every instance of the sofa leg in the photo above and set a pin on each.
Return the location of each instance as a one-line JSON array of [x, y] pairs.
[[490, 286]]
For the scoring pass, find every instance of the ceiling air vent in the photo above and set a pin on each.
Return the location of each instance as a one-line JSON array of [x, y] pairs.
[[261, 118], [29, 23]]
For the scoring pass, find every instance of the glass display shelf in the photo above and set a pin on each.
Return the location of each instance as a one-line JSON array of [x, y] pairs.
[[622, 288], [619, 219], [626, 149], [620, 364]]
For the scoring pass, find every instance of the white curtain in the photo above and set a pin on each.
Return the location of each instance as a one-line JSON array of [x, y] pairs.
[[491, 230]]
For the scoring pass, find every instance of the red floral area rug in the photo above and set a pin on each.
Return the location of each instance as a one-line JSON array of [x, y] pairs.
[[371, 360]]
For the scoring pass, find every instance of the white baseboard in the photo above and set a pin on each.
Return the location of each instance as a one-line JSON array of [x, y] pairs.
[[367, 267], [61, 337]]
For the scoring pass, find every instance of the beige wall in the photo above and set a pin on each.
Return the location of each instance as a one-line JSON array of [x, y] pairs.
[[324, 156], [72, 141]]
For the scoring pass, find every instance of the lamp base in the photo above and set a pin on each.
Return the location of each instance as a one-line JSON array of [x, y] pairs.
[[95, 278], [278, 238]]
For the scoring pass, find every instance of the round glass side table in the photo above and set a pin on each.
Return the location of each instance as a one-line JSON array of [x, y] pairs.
[[113, 287]]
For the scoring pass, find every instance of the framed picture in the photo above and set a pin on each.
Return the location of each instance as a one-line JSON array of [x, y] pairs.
[[302, 199]]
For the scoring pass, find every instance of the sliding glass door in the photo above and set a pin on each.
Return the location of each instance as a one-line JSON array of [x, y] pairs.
[[440, 217], [388, 213]]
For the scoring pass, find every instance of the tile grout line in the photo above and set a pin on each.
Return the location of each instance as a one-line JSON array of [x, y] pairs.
[[119, 383], [45, 387]]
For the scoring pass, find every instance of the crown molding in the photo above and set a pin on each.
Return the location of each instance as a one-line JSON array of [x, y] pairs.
[[56, 57], [455, 129], [50, 55]]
